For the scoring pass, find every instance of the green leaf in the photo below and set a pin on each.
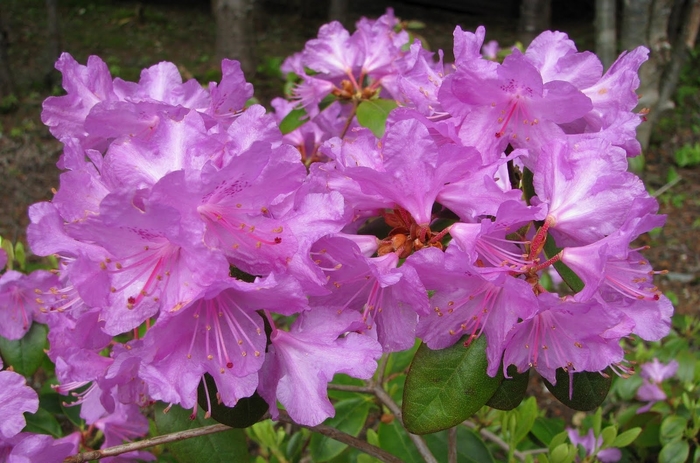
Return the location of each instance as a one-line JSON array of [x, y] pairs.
[[470, 447], [445, 387], [6, 245], [25, 355], [247, 411], [399, 362], [626, 388], [43, 422], [72, 410], [651, 427], [570, 278], [587, 393], [350, 417], [511, 391], [527, 414], [544, 429], [560, 453], [296, 444], [394, 439], [557, 440], [626, 438], [672, 427], [295, 119], [20, 255], [608, 434], [222, 447], [372, 114], [674, 452]]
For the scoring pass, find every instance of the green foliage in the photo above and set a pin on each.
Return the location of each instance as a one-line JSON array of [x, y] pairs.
[[292, 121], [350, 417], [222, 447], [372, 114], [688, 155], [583, 391], [445, 387], [247, 411], [511, 391], [27, 354]]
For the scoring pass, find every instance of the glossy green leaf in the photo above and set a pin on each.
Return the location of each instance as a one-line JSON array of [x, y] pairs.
[[25, 355], [350, 417], [372, 114], [511, 391], [445, 387], [394, 439], [674, 452], [470, 447], [587, 393], [42, 422], [295, 119], [222, 447], [247, 411]]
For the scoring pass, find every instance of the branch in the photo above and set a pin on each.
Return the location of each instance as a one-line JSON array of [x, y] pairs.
[[381, 370], [142, 444], [345, 438], [452, 445], [667, 187], [417, 440], [351, 388]]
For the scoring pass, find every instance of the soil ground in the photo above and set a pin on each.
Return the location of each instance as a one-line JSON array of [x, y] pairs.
[[130, 36]]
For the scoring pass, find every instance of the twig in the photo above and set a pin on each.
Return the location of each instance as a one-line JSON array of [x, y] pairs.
[[355, 104], [380, 370], [345, 438], [667, 187], [142, 444], [351, 388], [452, 445], [417, 440]]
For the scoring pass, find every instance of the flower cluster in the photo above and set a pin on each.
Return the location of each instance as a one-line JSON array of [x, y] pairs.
[[193, 240]]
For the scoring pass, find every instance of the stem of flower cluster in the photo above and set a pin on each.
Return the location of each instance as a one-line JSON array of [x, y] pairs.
[[355, 104]]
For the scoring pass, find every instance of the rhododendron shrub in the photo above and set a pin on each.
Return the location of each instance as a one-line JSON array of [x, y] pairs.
[[403, 199]]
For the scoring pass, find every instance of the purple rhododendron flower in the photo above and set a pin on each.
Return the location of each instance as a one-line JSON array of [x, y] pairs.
[[19, 304], [300, 363], [15, 399]]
